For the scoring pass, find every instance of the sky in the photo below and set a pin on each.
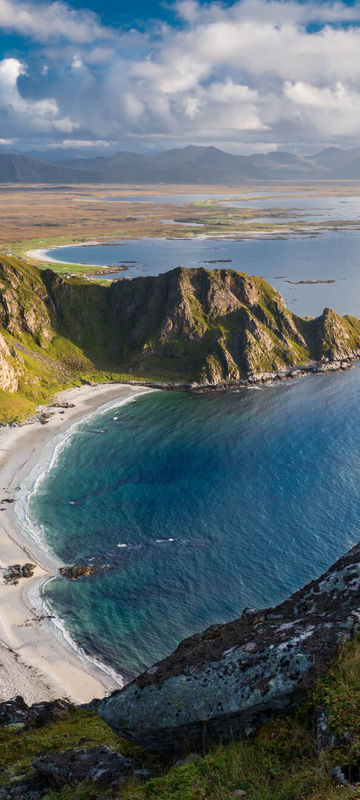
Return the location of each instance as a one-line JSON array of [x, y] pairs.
[[99, 76]]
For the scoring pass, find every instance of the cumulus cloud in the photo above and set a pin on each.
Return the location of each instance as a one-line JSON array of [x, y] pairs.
[[43, 20], [40, 114], [258, 71], [336, 107]]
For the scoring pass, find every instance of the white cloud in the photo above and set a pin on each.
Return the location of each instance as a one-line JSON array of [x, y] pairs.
[[253, 72], [83, 143], [76, 62], [43, 20], [42, 114], [335, 108]]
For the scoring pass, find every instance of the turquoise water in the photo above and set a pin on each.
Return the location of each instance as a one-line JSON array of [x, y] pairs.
[[194, 507], [331, 256]]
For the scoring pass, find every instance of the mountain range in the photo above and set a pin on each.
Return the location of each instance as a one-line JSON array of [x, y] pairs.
[[191, 165]]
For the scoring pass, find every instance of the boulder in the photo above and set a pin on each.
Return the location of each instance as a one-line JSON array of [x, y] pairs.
[[15, 711], [93, 764], [14, 572], [40, 714], [78, 571], [23, 791], [220, 683]]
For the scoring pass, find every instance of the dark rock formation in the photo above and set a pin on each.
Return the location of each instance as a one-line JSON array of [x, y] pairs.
[[15, 711], [93, 764], [78, 571], [24, 790], [64, 404], [14, 572], [221, 682]]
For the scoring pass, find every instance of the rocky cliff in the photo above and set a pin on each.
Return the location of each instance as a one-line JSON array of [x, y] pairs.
[[188, 326], [198, 325], [222, 682]]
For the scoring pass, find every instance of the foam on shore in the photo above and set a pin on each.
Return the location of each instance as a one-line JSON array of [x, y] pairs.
[[30, 642]]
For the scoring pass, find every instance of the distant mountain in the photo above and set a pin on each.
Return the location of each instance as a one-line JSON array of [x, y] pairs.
[[16, 168], [191, 164]]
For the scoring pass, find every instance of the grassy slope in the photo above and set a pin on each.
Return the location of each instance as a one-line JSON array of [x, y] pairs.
[[45, 360], [277, 762]]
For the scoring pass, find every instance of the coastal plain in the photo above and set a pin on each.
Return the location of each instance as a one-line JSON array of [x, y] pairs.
[[41, 216]]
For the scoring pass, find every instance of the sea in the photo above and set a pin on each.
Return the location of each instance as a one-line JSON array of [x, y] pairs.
[[193, 507], [332, 258]]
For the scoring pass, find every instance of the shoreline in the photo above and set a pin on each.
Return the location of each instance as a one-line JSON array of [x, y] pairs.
[[40, 254], [38, 659]]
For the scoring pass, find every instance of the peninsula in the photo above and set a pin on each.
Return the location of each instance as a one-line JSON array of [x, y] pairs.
[[188, 329]]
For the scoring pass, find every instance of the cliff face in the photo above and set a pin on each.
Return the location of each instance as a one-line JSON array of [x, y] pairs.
[[186, 326], [22, 313], [221, 682], [196, 325]]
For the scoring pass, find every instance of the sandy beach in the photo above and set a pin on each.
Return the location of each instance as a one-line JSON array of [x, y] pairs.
[[41, 253], [36, 661]]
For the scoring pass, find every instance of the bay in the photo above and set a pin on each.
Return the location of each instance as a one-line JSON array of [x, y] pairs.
[[194, 507]]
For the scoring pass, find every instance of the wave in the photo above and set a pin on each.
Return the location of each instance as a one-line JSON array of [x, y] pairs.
[[60, 442], [58, 623], [165, 540]]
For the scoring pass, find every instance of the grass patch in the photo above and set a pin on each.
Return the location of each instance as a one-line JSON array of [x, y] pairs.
[[14, 407]]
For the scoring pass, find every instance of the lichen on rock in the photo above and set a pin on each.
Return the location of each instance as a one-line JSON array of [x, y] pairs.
[[224, 681]]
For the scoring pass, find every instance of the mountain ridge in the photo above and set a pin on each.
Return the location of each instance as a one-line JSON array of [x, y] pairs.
[[187, 328], [192, 164]]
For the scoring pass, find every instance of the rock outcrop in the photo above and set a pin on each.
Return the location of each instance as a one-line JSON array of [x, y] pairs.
[[78, 571], [14, 572], [222, 682], [16, 712], [201, 325], [99, 764]]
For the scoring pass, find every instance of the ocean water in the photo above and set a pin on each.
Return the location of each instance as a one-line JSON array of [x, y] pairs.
[[331, 256], [194, 507], [309, 208]]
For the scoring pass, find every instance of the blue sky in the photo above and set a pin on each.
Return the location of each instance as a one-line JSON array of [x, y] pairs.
[[253, 75]]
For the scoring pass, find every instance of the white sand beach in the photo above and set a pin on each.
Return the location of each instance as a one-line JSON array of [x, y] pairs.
[[41, 253], [36, 661]]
